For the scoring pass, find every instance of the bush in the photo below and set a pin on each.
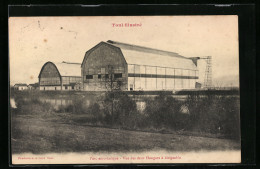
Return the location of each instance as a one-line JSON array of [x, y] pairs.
[[120, 110], [214, 114], [96, 114], [32, 106], [125, 114], [161, 112]]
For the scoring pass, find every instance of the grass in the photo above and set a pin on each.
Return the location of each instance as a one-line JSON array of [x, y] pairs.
[[37, 127], [58, 132]]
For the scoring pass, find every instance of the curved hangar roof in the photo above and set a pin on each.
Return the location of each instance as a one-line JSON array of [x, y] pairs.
[[69, 69], [66, 68], [151, 57]]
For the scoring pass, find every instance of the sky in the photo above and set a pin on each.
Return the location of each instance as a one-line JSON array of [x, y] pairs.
[[36, 40]]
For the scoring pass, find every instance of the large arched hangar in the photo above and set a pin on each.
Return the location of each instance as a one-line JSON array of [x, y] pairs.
[[137, 67]]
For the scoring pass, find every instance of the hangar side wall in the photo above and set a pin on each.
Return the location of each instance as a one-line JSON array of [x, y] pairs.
[[71, 83], [50, 87], [144, 77], [102, 63]]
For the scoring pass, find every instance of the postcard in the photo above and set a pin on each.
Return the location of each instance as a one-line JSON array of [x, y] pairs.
[[124, 89]]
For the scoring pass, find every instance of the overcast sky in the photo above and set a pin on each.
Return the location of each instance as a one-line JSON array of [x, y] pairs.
[[36, 40]]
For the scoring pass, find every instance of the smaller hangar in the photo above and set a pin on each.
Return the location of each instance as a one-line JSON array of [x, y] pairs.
[[60, 76]]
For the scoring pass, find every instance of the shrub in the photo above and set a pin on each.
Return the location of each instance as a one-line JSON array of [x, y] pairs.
[[125, 114], [217, 114], [214, 114], [161, 111], [96, 114], [32, 106], [119, 110]]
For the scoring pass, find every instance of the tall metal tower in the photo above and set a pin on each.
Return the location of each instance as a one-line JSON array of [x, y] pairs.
[[208, 72]]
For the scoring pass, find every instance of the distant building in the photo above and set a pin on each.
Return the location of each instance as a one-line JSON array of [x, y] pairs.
[[34, 86], [137, 68], [59, 76], [20, 86]]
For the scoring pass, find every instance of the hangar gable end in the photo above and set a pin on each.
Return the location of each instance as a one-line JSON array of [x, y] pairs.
[[101, 56], [49, 69]]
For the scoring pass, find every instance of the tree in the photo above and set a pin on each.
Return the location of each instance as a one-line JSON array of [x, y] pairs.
[[113, 88], [112, 83]]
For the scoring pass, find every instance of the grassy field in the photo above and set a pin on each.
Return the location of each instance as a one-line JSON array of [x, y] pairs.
[[58, 132]]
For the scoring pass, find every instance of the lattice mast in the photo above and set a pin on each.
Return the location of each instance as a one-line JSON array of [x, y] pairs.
[[208, 72]]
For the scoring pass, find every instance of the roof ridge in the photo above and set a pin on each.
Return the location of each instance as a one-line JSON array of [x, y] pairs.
[[147, 49], [71, 63]]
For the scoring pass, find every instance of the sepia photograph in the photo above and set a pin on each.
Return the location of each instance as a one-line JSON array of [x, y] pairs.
[[124, 89]]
